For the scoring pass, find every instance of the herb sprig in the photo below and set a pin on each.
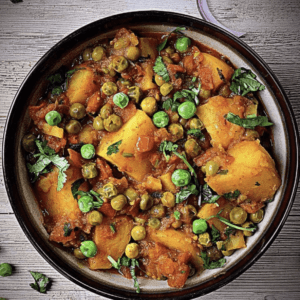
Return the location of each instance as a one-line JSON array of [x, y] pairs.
[[161, 69], [208, 196], [212, 265], [250, 122], [127, 262], [46, 157], [113, 148], [40, 282], [244, 81], [185, 192], [162, 45]]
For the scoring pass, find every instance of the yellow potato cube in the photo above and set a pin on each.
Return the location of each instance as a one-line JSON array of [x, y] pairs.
[[138, 165]]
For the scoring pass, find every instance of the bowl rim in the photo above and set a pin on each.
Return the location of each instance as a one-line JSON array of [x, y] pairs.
[[262, 244]]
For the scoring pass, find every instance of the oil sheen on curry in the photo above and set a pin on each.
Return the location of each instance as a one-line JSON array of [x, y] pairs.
[[145, 157]]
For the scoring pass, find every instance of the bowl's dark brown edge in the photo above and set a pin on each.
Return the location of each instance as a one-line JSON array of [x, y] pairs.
[[149, 17]]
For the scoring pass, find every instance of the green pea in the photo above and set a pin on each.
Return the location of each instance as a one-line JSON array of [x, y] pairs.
[[181, 177], [199, 226], [98, 53], [211, 168], [86, 203], [98, 123], [119, 63], [87, 151], [73, 127], [5, 269], [118, 202], [154, 223], [78, 254], [121, 100], [77, 111], [257, 217], [160, 119], [134, 93], [182, 44], [166, 88], [131, 194], [95, 218], [28, 142], [196, 124], [204, 239], [88, 248], [53, 118], [109, 88], [187, 109], [108, 191], [89, 170], [87, 54], [113, 123], [238, 215], [105, 111]]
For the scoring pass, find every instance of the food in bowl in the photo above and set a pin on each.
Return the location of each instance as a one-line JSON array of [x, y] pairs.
[[146, 157]]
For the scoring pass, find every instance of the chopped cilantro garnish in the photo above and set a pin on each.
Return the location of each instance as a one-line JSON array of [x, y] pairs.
[[250, 122], [40, 282], [113, 148], [244, 81], [177, 215], [212, 265], [161, 69], [215, 233], [46, 157], [67, 229], [170, 103], [197, 133], [112, 228], [232, 195], [185, 192], [208, 196], [162, 45], [167, 148]]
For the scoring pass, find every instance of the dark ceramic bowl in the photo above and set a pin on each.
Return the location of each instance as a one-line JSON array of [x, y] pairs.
[[274, 100]]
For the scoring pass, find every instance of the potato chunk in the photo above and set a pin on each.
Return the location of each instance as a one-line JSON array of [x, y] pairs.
[[62, 203], [138, 165], [110, 243], [214, 64], [148, 47], [212, 115], [177, 240], [252, 172], [81, 86]]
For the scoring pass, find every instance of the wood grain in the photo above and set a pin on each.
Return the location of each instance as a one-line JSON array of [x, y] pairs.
[[29, 29]]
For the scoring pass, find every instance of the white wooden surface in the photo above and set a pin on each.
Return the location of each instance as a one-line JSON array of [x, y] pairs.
[[29, 29]]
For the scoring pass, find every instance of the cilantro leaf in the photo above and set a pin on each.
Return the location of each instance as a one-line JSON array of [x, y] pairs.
[[46, 157], [113, 148], [208, 196], [41, 282], [191, 189], [134, 263], [244, 81], [228, 231], [167, 148], [170, 103], [232, 195], [215, 233], [112, 228], [212, 265], [250, 122], [115, 264], [57, 90], [125, 261], [75, 186], [162, 45], [67, 229], [189, 95], [197, 133], [161, 69], [55, 78], [177, 215]]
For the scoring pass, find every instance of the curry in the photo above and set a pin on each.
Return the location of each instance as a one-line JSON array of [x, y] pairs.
[[145, 157]]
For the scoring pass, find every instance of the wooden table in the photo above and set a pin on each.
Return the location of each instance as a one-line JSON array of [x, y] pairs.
[[29, 29]]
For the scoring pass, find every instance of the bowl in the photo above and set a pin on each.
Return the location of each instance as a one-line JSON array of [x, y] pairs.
[[285, 148]]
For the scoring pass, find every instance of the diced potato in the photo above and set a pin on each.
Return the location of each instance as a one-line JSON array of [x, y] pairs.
[[236, 241], [152, 184], [59, 204], [212, 115], [177, 240], [138, 165], [167, 183], [214, 64], [252, 172], [53, 130], [209, 209], [109, 243], [94, 103], [88, 135], [81, 86], [147, 83], [148, 47]]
